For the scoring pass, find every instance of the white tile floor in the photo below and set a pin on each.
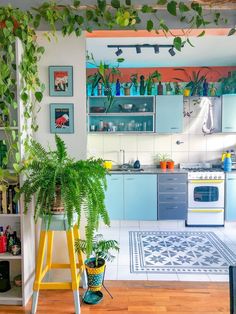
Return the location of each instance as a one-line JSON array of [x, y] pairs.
[[119, 269]]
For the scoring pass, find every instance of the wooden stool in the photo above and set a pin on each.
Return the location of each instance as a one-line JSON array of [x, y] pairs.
[[58, 223]]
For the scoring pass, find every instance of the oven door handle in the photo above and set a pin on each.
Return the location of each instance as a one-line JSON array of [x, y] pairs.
[[206, 210], [205, 181]]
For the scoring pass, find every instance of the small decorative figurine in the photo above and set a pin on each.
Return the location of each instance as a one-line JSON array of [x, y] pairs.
[[142, 85]]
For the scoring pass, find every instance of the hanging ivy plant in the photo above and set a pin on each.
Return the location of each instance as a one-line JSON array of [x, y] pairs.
[[74, 18]]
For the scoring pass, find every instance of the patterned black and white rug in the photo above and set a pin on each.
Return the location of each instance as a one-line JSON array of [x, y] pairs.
[[179, 252]]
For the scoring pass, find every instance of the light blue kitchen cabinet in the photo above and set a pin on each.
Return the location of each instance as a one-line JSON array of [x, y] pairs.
[[140, 197], [169, 114], [230, 197], [114, 200], [228, 113]]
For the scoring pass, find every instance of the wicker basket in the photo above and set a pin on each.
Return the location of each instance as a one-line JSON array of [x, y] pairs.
[[58, 205]]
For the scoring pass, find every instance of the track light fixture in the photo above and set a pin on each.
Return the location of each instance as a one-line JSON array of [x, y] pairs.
[[171, 51], [156, 48], [119, 51], [138, 48]]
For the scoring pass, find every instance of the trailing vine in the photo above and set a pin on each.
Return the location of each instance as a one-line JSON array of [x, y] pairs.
[[74, 18]]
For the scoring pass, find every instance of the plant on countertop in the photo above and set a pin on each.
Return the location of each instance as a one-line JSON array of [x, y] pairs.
[[57, 180], [195, 80], [162, 157], [228, 83]]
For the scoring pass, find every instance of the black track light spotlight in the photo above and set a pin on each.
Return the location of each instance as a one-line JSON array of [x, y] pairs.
[[138, 49], [118, 52], [156, 48], [171, 51]]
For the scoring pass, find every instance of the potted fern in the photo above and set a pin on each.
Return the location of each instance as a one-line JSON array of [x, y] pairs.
[[95, 263], [62, 184]]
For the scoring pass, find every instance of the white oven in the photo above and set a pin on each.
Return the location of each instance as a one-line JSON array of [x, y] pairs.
[[206, 193], [206, 200]]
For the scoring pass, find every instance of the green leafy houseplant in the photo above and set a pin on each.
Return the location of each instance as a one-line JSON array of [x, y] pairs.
[[100, 249], [95, 264], [195, 80], [151, 80], [56, 180]]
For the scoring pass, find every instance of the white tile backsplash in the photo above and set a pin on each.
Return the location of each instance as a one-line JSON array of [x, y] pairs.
[[196, 147]]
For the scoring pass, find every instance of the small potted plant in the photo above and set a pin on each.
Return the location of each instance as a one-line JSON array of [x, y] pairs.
[[127, 87], [95, 263], [170, 164], [151, 81], [162, 158]]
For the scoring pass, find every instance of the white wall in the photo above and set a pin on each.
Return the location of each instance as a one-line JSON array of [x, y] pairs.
[[64, 51]]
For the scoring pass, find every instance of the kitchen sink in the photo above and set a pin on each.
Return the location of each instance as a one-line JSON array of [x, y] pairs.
[[127, 170]]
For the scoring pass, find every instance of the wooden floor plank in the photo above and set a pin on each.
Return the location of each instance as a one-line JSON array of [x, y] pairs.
[[139, 297]]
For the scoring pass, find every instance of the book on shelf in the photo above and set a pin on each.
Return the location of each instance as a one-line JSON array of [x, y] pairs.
[[7, 203]]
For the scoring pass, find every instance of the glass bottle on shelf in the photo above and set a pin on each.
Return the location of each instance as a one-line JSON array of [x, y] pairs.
[[142, 86], [99, 89], [205, 88], [118, 87], [160, 88]]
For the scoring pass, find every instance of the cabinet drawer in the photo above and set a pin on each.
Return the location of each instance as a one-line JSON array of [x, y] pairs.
[[172, 178], [172, 211], [168, 198], [173, 188]]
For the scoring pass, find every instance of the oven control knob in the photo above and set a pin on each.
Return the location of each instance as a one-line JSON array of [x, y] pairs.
[[201, 177], [206, 177], [210, 177], [215, 177]]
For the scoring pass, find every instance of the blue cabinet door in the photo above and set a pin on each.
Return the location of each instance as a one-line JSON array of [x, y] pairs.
[[114, 200], [169, 114], [140, 197], [228, 113], [230, 209]]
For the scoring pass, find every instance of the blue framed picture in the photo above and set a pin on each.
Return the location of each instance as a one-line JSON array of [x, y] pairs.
[[61, 81], [62, 118]]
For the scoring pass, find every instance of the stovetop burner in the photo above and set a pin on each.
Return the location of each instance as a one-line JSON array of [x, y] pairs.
[[203, 169]]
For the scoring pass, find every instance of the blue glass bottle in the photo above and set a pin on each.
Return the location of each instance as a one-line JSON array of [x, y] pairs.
[[205, 88], [118, 87]]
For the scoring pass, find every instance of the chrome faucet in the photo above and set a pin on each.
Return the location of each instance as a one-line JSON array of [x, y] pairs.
[[123, 156]]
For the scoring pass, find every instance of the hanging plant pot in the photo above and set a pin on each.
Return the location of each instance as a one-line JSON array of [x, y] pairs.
[[58, 206], [95, 274]]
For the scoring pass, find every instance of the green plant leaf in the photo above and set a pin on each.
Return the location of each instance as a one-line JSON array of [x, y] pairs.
[[76, 3], [102, 5], [149, 25], [161, 2], [39, 96], [231, 32], [115, 4], [183, 7], [171, 7], [120, 60], [89, 15], [177, 43], [201, 34]]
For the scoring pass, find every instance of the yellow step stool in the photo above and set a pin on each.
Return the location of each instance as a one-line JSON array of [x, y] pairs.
[[58, 223]]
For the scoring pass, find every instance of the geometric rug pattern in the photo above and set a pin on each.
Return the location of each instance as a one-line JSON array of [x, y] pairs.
[[179, 252]]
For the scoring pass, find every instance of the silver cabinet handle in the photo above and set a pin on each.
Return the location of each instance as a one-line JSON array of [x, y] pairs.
[[174, 207], [174, 128], [231, 179], [129, 179], [228, 127], [114, 179]]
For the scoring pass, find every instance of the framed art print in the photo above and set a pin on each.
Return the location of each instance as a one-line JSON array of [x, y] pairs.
[[61, 81], [62, 118]]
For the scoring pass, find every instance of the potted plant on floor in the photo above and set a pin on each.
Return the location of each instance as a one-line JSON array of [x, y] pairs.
[[95, 263], [61, 184]]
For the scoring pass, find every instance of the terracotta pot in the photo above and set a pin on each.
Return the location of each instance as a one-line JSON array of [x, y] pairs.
[[170, 164], [163, 165]]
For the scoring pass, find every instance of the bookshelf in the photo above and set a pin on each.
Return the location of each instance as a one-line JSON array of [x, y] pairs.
[[23, 264]]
